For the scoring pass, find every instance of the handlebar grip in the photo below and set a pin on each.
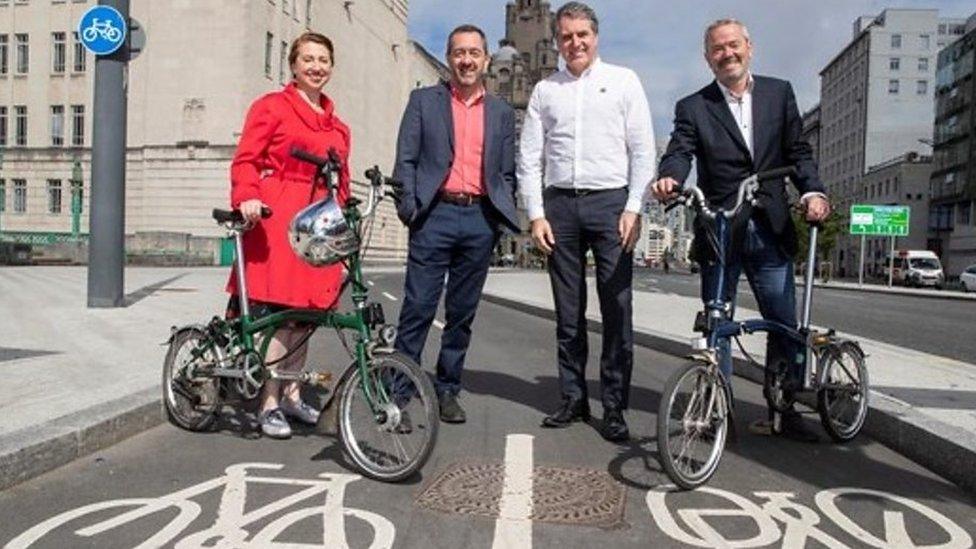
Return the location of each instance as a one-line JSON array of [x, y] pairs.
[[778, 173], [306, 156]]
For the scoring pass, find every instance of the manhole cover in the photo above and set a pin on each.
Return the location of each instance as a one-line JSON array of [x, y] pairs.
[[468, 489], [579, 497]]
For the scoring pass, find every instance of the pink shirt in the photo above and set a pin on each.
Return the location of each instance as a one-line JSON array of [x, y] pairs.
[[466, 175]]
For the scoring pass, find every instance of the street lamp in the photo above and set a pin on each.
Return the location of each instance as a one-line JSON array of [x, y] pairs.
[[76, 190]]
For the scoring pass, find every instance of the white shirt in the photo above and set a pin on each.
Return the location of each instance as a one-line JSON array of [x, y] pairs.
[[588, 132], [741, 108]]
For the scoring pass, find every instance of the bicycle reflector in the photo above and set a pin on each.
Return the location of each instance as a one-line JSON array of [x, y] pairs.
[[320, 234]]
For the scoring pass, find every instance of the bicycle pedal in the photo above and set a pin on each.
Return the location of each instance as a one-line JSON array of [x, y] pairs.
[[319, 379]]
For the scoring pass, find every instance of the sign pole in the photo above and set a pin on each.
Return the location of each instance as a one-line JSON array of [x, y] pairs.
[[891, 262], [860, 269], [106, 243]]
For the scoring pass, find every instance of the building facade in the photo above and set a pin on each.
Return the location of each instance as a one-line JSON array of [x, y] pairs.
[[953, 184], [876, 103], [525, 56], [901, 181], [203, 64]]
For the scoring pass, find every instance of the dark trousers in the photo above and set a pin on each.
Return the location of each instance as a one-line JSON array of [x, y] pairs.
[[455, 242], [580, 223], [770, 274]]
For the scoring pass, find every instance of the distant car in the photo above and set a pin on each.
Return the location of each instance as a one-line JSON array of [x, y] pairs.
[[968, 279]]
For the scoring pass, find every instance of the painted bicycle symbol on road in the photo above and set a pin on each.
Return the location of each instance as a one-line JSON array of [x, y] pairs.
[[698, 527], [229, 528], [103, 29]]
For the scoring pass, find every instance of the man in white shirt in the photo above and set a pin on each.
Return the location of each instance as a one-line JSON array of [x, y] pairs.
[[586, 158]]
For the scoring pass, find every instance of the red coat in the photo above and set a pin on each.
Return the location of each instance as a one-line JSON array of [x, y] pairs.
[[262, 168]]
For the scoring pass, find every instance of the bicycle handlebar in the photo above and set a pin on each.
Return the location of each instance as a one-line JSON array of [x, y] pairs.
[[695, 198], [235, 216]]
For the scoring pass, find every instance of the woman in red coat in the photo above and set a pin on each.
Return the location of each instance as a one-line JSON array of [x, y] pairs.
[[264, 174]]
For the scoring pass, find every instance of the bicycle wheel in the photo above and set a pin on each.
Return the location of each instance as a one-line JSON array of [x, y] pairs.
[[692, 423], [192, 400], [842, 397], [390, 440]]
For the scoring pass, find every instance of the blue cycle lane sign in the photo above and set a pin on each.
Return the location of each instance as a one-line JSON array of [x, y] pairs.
[[102, 30]]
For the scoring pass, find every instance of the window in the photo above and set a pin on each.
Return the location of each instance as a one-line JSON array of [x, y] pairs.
[[283, 63], [57, 125], [964, 216], [20, 195], [896, 41], [23, 52], [894, 63], [942, 28], [268, 44], [78, 125], [922, 87], [59, 52], [923, 41], [20, 130], [308, 13], [3, 195], [79, 54], [3, 126], [4, 55], [893, 87], [923, 63], [54, 196]]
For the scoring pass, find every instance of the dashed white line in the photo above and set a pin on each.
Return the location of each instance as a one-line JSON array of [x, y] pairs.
[[389, 296], [370, 282], [438, 324], [513, 529]]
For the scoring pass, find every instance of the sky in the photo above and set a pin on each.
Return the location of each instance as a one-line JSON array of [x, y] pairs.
[[662, 41]]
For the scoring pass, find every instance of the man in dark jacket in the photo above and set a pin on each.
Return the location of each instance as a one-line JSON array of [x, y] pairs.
[[739, 125], [456, 159]]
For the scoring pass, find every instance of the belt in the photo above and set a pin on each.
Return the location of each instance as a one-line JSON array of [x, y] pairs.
[[573, 191], [461, 199]]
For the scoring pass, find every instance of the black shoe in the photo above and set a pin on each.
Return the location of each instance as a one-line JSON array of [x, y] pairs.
[[793, 427], [614, 426], [451, 411], [571, 411]]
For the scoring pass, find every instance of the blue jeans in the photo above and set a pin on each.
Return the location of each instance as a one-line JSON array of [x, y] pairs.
[[770, 274]]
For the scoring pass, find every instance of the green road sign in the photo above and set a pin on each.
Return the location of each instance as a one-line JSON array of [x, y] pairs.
[[879, 220]]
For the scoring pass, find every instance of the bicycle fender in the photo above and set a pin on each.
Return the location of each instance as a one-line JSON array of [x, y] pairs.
[[175, 331]]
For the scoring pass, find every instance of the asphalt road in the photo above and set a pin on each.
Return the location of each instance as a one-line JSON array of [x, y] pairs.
[[943, 327], [586, 492]]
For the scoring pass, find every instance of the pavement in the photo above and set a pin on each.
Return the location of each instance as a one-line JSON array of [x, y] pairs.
[[78, 380]]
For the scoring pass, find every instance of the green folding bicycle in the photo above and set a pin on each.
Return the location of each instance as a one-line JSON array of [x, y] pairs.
[[387, 408]]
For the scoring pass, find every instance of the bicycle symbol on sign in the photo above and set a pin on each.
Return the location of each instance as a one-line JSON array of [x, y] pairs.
[[228, 530], [103, 29]]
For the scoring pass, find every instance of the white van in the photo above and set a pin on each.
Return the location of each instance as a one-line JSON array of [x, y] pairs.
[[917, 268]]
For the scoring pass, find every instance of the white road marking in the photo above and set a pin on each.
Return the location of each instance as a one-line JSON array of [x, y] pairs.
[[389, 296], [513, 529], [438, 324], [370, 282]]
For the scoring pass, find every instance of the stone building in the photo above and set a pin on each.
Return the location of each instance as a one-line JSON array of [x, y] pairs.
[[203, 64]]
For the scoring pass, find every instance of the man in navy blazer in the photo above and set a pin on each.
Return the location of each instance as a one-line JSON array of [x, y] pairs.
[[739, 125], [456, 159]]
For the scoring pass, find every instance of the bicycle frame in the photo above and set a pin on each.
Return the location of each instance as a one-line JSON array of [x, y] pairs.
[[248, 327], [720, 326]]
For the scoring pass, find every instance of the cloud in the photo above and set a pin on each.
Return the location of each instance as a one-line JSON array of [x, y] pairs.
[[662, 41]]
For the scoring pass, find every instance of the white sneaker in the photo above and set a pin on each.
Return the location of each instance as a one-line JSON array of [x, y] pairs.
[[274, 424], [301, 411]]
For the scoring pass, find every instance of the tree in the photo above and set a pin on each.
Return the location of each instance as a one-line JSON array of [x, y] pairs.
[[826, 237]]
